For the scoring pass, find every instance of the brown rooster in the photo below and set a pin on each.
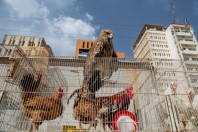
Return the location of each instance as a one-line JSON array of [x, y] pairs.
[[85, 108], [37, 107], [41, 108], [108, 106]]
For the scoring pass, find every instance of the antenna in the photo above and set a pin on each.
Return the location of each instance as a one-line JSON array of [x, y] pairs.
[[173, 8], [186, 21]]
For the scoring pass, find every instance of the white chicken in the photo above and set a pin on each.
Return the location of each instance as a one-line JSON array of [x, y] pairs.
[[193, 99], [186, 105], [171, 90], [164, 112]]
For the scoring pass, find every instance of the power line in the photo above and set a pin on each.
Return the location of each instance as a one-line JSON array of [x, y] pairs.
[[115, 36], [173, 7], [99, 23]]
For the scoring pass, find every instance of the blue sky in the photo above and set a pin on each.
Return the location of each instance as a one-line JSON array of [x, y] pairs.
[[61, 22]]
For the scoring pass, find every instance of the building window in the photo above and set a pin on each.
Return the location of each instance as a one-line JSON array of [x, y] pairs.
[[10, 42], [5, 52], [0, 50], [32, 43], [29, 43], [19, 43], [87, 44], [91, 44], [23, 43], [9, 52], [83, 45], [13, 42], [38, 43]]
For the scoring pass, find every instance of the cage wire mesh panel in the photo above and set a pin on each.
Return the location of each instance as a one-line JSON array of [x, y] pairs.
[[173, 90], [154, 108], [14, 93], [73, 70]]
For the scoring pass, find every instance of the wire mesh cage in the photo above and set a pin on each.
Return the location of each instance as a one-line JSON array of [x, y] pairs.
[[132, 97], [23, 81]]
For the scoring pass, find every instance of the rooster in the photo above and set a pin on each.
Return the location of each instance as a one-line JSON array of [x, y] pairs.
[[108, 106], [41, 108], [38, 107], [84, 108]]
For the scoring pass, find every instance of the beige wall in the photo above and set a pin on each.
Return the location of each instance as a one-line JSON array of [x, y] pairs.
[[86, 44]]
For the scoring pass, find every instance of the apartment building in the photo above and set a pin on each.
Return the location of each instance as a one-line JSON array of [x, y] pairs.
[[184, 39], [31, 45], [173, 52]]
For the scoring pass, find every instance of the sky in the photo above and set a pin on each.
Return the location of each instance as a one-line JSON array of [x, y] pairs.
[[62, 22]]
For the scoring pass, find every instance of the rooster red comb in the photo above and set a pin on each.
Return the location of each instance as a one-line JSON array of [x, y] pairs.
[[60, 90], [129, 91]]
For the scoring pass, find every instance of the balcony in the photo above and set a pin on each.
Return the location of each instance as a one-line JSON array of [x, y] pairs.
[[187, 42], [190, 52], [188, 34], [194, 84], [191, 61]]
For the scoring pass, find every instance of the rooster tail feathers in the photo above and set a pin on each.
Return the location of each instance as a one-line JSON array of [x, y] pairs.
[[29, 85], [75, 92], [30, 82]]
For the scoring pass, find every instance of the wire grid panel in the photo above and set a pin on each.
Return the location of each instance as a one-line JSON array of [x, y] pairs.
[[184, 108], [67, 73], [165, 73], [73, 69], [149, 104], [13, 95]]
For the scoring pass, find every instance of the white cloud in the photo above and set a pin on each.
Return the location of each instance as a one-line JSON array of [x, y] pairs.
[[28, 8], [67, 30], [61, 32], [89, 16]]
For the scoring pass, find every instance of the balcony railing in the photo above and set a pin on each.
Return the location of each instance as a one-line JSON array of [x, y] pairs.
[[184, 34], [187, 42]]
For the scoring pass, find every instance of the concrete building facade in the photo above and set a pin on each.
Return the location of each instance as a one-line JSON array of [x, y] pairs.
[[170, 49], [83, 46], [173, 53], [29, 44]]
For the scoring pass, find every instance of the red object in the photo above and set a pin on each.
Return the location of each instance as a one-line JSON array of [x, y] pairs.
[[124, 113]]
